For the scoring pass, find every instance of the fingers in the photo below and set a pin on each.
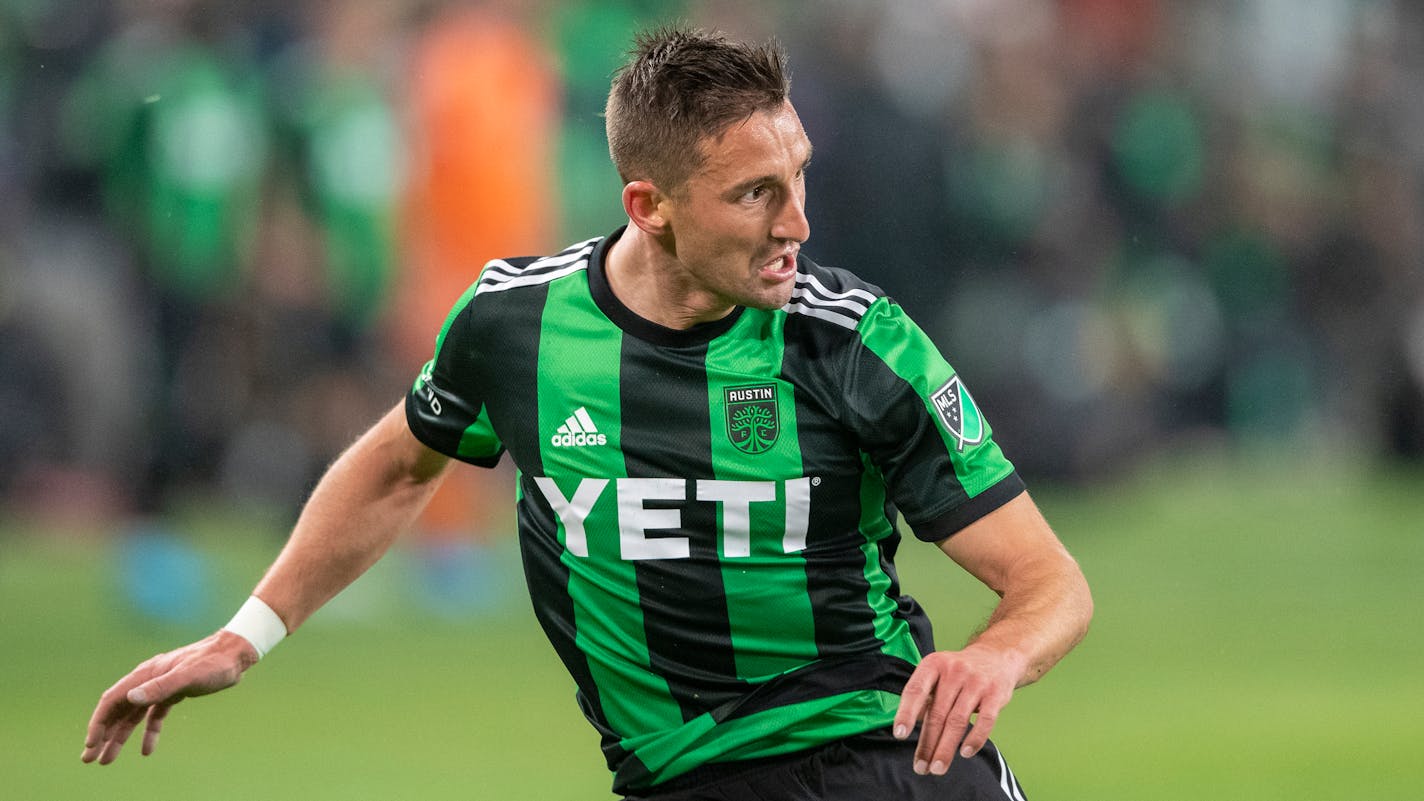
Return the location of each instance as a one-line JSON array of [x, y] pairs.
[[913, 699], [941, 729], [943, 695], [156, 715], [983, 724], [118, 734], [152, 688], [123, 707], [933, 698], [113, 709], [117, 716]]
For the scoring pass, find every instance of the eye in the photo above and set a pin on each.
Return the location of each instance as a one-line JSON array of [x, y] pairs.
[[755, 193]]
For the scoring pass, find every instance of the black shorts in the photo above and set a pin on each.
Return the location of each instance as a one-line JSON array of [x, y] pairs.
[[862, 768]]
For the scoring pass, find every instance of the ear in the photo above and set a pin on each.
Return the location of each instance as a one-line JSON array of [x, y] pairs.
[[646, 206]]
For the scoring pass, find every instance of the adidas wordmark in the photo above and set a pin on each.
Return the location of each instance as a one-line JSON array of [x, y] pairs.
[[578, 431]]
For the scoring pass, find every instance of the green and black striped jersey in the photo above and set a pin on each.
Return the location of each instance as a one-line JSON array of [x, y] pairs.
[[706, 515]]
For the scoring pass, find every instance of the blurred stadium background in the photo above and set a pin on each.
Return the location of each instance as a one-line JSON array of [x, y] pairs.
[[1175, 248]]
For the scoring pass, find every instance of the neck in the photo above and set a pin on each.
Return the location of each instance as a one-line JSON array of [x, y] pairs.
[[646, 277]]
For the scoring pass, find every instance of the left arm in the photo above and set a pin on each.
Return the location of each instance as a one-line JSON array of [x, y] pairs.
[[1044, 611]]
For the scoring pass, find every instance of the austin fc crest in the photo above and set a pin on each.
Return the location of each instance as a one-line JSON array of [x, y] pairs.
[[958, 413], [753, 422]]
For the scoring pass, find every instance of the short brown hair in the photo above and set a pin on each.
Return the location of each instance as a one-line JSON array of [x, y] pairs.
[[680, 86]]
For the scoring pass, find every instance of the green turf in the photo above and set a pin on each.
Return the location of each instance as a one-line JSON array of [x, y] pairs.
[[1258, 636]]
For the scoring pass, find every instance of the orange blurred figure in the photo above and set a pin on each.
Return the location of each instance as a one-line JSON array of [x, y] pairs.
[[483, 115]]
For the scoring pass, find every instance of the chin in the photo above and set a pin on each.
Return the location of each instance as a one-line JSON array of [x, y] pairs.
[[772, 299]]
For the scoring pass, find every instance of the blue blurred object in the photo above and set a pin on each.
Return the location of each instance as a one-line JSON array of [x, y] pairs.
[[457, 579], [163, 576]]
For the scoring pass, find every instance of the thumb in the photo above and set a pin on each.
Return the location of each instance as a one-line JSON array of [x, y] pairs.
[[149, 693]]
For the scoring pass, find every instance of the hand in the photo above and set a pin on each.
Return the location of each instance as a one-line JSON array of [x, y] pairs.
[[944, 691], [151, 689]]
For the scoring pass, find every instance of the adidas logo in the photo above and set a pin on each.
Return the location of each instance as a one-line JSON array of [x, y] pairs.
[[578, 431]]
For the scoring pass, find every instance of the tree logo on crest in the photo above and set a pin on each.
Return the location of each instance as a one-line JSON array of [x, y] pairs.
[[753, 422], [957, 411]]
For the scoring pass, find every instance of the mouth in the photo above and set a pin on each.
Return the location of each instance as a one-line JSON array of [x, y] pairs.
[[781, 268]]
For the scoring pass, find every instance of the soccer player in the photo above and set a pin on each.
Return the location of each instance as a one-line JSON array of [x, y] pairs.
[[713, 434]]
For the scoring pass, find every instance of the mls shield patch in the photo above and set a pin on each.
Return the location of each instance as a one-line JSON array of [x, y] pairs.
[[753, 422], [958, 413]]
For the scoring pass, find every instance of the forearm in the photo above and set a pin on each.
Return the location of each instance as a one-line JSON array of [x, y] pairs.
[[1045, 604], [366, 499], [1040, 618], [1044, 609]]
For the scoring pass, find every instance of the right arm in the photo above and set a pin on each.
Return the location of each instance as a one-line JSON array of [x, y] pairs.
[[367, 498], [371, 494]]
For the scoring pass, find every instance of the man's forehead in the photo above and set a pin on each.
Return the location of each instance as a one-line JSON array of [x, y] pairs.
[[756, 143]]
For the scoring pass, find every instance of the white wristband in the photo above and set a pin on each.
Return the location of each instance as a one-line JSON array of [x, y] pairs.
[[258, 624]]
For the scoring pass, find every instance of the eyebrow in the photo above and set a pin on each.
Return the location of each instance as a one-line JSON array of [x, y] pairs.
[[751, 183]]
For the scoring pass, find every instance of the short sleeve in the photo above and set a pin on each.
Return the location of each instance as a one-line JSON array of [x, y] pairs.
[[915, 418], [445, 407]]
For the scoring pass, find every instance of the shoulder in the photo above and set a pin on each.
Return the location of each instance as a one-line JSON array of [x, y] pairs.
[[835, 311], [507, 296], [833, 295], [502, 275]]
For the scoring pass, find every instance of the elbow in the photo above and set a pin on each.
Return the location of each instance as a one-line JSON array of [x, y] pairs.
[[1080, 601]]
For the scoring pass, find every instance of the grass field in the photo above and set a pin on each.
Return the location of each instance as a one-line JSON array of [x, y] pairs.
[[1258, 636]]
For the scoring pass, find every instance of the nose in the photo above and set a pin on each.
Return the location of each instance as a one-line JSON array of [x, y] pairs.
[[791, 223]]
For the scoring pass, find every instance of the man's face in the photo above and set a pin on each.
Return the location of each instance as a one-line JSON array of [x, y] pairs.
[[738, 221]]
